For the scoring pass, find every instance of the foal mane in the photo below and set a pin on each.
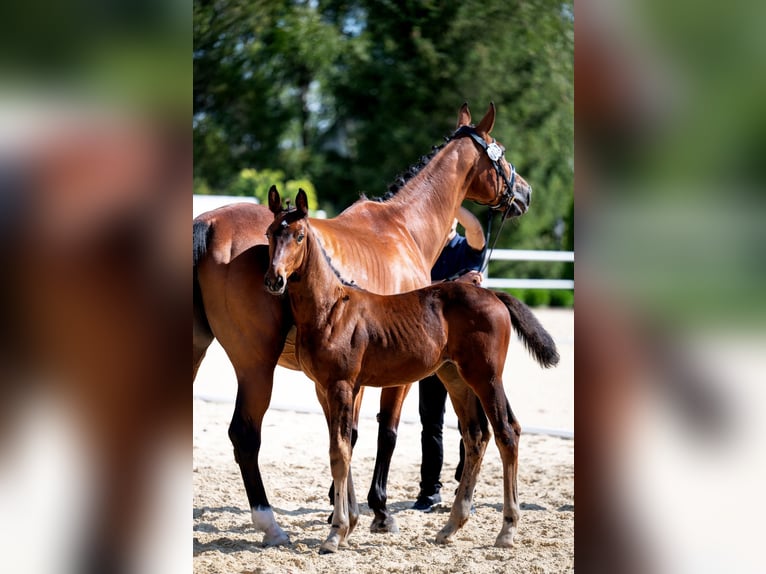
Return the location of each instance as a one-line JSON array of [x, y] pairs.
[[327, 258]]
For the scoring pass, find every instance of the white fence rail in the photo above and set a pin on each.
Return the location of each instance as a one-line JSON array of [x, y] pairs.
[[529, 255]]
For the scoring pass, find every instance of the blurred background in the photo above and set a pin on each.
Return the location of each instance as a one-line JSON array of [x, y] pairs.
[[670, 314], [95, 180]]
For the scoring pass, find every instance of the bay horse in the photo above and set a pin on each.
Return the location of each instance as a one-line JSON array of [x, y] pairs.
[[348, 338], [385, 246]]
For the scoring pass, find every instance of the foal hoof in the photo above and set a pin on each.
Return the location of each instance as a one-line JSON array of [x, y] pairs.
[[444, 536], [384, 525], [328, 548], [504, 540]]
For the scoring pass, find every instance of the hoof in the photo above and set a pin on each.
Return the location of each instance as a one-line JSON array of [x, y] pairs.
[[328, 548], [444, 536], [504, 540], [278, 539], [386, 525]]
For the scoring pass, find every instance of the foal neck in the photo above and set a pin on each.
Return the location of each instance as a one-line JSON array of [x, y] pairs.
[[315, 287]]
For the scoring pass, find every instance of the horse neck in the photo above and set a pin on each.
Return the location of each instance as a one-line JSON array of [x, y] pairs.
[[429, 202], [316, 288]]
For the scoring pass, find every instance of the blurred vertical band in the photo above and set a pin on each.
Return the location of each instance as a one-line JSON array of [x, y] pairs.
[[95, 200], [670, 139]]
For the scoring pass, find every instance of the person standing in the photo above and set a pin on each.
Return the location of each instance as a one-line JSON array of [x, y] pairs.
[[461, 259]]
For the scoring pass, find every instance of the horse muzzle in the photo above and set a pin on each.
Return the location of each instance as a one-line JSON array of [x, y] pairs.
[[516, 202], [275, 284]]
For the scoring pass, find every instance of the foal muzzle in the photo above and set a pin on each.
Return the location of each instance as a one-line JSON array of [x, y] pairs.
[[275, 284]]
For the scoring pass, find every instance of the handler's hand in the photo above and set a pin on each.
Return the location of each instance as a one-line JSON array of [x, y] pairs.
[[474, 277]]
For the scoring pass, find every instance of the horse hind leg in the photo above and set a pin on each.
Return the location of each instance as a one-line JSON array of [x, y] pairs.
[[245, 434], [202, 337], [391, 400]]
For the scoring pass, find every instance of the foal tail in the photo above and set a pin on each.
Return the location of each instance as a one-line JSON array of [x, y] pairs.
[[536, 339]]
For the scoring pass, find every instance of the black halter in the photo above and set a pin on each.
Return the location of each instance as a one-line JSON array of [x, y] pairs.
[[495, 154], [508, 196]]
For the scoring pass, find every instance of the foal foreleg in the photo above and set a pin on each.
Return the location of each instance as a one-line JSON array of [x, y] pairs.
[[340, 411]]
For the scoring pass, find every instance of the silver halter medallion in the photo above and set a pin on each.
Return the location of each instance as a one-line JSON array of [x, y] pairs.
[[494, 151]]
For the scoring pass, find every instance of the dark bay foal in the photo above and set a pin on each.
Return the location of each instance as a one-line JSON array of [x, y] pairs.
[[348, 338]]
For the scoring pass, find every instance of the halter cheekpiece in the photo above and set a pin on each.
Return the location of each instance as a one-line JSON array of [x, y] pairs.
[[495, 154]]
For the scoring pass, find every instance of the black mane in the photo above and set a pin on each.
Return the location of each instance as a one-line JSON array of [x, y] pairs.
[[401, 180]]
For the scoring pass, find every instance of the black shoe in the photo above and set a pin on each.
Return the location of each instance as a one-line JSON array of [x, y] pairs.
[[426, 503]]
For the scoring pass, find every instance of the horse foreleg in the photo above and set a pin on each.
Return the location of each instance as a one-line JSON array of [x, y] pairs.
[[475, 435], [340, 411], [391, 400], [245, 434]]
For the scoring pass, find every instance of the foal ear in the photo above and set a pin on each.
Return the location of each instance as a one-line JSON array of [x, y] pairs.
[[488, 121], [463, 116], [275, 203], [302, 202]]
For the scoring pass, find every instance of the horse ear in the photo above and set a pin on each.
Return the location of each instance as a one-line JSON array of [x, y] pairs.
[[463, 116], [302, 202], [488, 121], [275, 203]]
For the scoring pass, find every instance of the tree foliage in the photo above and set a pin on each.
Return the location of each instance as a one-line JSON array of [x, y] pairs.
[[348, 93]]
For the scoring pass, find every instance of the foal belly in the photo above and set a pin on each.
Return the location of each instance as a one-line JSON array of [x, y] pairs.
[[396, 369]]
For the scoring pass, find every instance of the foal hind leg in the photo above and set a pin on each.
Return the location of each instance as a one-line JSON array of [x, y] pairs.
[[475, 435], [391, 400], [507, 432]]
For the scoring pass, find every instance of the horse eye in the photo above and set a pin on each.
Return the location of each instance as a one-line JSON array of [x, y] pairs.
[[300, 238]]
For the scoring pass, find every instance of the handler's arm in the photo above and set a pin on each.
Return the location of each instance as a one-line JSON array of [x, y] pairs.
[[474, 234]]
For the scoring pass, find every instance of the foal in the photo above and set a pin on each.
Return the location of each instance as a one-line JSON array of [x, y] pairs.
[[348, 338]]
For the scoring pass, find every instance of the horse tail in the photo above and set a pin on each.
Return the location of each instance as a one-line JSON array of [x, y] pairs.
[[203, 233], [536, 339]]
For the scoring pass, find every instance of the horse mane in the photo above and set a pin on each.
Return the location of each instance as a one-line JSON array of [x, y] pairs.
[[405, 176]]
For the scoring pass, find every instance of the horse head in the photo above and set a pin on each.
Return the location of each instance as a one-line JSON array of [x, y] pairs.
[[286, 236], [496, 183]]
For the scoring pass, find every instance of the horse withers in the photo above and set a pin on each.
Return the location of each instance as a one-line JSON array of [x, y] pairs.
[[348, 338]]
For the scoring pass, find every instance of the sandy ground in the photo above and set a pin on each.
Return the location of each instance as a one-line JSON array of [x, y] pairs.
[[295, 463]]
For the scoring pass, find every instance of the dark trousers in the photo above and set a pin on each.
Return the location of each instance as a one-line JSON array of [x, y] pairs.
[[431, 402]]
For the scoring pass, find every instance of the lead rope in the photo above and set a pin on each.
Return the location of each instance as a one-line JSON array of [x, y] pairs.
[[488, 253]]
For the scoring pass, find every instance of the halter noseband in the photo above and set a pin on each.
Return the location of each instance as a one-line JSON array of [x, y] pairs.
[[495, 154]]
